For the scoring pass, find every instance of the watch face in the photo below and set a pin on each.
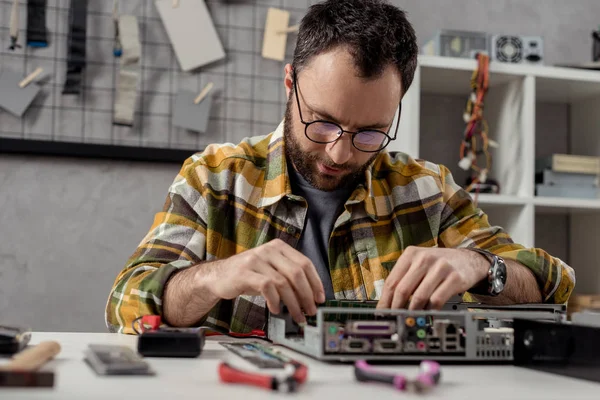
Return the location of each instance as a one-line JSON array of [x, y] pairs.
[[498, 285], [499, 277]]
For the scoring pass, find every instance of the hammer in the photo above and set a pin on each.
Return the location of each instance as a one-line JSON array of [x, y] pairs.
[[22, 371]]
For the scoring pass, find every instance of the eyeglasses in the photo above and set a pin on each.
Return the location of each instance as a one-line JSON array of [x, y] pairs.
[[323, 132]]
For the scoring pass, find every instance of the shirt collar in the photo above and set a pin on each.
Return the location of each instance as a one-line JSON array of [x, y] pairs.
[[277, 181]]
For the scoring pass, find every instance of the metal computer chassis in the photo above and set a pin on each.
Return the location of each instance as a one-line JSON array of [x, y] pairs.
[[348, 334]]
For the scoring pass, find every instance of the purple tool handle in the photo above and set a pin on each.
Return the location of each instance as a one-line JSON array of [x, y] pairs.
[[429, 375]]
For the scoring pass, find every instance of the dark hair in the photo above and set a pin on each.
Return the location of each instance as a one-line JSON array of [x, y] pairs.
[[376, 33]]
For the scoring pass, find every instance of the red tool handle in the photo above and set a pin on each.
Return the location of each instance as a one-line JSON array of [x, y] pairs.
[[233, 375]]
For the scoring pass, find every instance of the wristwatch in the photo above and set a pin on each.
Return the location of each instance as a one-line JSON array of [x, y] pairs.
[[496, 279]]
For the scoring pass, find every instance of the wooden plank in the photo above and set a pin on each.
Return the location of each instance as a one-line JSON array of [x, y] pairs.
[[275, 37]]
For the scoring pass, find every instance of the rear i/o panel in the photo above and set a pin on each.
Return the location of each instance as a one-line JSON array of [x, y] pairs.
[[395, 335], [347, 334]]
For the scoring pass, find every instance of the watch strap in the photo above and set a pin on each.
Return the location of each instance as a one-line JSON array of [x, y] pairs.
[[484, 286]]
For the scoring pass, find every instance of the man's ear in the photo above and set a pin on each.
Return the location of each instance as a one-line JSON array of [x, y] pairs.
[[288, 80]]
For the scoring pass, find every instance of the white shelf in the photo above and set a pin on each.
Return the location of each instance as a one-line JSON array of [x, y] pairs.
[[561, 204], [500, 200], [451, 76]]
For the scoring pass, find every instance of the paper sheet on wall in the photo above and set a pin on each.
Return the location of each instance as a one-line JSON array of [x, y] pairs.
[[188, 115], [14, 99], [191, 32]]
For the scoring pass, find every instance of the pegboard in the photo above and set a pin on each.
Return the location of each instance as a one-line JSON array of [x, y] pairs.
[[248, 93]]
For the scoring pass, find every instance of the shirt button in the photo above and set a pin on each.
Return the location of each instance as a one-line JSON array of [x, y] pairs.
[[291, 230]]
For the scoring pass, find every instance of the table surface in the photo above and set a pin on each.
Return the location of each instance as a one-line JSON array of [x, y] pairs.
[[179, 379]]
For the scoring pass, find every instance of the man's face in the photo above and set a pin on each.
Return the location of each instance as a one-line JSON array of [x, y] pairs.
[[329, 89]]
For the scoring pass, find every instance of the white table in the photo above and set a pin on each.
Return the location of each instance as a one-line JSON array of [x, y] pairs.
[[180, 379]]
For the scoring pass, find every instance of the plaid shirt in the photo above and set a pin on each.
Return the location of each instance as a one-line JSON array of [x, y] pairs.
[[232, 198]]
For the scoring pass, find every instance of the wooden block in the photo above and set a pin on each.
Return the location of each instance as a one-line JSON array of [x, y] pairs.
[[275, 37], [192, 33]]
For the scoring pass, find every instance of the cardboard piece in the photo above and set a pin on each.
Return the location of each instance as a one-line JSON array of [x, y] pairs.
[[192, 32], [14, 99], [188, 115], [275, 37]]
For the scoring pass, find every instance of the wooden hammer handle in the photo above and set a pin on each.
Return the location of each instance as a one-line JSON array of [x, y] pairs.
[[33, 358]]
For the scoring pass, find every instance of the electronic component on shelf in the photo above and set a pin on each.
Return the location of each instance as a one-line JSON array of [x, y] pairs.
[[13, 339], [489, 186], [476, 333], [453, 43], [569, 163], [517, 49]]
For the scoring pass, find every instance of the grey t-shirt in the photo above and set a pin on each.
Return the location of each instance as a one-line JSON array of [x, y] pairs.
[[323, 210]]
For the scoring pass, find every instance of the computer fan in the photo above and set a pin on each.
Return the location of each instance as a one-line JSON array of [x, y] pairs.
[[517, 49]]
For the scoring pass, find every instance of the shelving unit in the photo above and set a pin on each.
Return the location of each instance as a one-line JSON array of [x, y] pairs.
[[532, 111]]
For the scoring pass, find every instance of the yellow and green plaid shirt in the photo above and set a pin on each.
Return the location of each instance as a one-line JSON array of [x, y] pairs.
[[231, 198]]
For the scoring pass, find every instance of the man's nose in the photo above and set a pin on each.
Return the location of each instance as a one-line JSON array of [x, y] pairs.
[[341, 150]]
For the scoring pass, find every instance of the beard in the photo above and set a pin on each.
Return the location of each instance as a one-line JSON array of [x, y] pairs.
[[306, 163]]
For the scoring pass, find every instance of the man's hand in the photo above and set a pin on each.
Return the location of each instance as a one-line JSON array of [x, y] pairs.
[[276, 271], [431, 276]]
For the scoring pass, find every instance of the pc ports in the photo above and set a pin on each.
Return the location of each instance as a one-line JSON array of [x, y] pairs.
[[451, 329], [410, 322], [421, 346], [371, 327], [434, 345], [386, 346], [355, 345], [450, 347], [410, 347], [421, 321], [451, 343]]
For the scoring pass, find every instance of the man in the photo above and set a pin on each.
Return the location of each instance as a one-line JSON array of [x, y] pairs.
[[319, 210]]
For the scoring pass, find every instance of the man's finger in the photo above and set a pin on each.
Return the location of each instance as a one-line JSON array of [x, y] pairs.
[[409, 283], [313, 277], [298, 282], [434, 277], [392, 281], [296, 276], [289, 299], [448, 288], [259, 284]]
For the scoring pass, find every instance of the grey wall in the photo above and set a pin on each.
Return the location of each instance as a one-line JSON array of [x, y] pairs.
[[67, 226]]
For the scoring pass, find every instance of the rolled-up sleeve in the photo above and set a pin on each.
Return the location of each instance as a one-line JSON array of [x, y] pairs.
[[176, 240], [462, 224]]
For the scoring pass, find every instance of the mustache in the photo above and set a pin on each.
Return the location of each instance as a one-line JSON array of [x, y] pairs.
[[332, 164]]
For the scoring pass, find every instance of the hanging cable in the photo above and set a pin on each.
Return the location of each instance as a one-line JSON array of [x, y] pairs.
[[475, 142]]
